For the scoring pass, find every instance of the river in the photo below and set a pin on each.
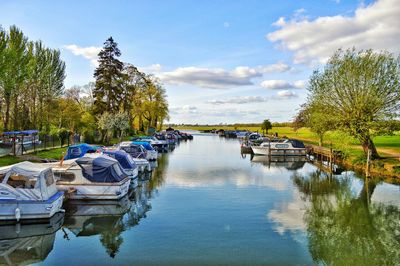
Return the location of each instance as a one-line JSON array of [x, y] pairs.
[[207, 205]]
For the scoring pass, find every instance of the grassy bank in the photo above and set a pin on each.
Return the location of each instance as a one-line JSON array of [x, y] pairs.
[[387, 146]]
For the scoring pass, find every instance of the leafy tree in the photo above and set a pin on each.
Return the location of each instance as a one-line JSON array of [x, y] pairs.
[[16, 56], [266, 125], [315, 117], [121, 124], [361, 92], [108, 87], [106, 124]]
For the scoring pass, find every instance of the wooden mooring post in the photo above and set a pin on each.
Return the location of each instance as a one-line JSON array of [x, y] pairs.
[[368, 164]]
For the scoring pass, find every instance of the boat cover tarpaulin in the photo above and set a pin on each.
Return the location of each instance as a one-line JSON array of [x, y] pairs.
[[76, 151], [124, 159], [102, 169], [145, 144], [31, 171]]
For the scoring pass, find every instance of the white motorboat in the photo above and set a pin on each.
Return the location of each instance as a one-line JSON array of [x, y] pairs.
[[92, 177], [282, 147], [28, 191]]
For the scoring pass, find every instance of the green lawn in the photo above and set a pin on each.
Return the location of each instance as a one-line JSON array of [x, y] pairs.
[[52, 154], [9, 159]]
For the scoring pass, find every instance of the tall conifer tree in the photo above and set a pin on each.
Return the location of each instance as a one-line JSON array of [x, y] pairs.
[[108, 87]]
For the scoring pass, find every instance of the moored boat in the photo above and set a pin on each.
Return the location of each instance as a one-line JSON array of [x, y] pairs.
[[151, 153], [285, 147], [125, 160], [138, 154], [92, 177], [28, 191]]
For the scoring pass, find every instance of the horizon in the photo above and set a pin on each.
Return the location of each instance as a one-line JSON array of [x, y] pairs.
[[246, 62]]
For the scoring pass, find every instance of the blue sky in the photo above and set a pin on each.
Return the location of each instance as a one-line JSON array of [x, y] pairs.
[[220, 61]]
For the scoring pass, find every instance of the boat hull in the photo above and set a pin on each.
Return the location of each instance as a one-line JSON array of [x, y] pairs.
[[31, 209], [96, 191], [132, 173]]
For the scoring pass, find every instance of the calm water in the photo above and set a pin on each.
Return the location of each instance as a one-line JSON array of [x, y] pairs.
[[205, 204]]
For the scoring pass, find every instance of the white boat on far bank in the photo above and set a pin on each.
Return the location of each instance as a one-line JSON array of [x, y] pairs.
[[284, 147]]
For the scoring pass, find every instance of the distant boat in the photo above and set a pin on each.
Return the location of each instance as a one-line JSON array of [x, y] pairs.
[[93, 177], [28, 191], [285, 147], [159, 144]]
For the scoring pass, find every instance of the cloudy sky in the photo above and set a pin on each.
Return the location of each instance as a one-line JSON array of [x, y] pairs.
[[220, 61]]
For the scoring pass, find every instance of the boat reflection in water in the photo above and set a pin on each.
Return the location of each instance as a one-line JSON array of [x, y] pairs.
[[22, 244], [103, 218], [288, 162]]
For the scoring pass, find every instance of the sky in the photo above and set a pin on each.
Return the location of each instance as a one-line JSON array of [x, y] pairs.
[[220, 61]]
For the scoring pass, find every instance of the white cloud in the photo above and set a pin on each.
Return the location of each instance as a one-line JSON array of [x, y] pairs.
[[277, 84], [286, 94], [239, 100], [376, 26], [300, 84], [90, 52], [185, 109], [218, 78]]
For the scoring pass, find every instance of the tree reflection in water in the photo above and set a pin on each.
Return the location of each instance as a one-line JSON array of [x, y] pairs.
[[343, 226]]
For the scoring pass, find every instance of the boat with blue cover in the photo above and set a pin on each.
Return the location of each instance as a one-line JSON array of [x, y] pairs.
[[92, 177], [28, 191], [151, 152], [159, 144], [137, 152], [125, 160], [79, 150]]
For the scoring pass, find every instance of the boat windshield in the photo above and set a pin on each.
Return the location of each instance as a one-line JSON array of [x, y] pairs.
[[21, 181]]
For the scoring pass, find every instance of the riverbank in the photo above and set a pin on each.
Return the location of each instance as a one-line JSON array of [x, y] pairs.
[[388, 166]]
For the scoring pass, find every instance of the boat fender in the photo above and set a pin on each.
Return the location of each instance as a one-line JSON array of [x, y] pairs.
[[17, 214]]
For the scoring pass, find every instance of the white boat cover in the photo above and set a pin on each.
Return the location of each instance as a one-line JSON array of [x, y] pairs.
[[44, 185]]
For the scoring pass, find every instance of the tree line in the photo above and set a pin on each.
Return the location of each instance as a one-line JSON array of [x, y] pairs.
[[33, 96]]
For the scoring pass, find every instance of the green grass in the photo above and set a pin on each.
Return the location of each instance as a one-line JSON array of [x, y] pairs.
[[9, 159], [52, 154]]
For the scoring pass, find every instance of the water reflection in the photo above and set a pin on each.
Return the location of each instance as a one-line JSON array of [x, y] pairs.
[[24, 244], [343, 225], [288, 162], [103, 218]]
